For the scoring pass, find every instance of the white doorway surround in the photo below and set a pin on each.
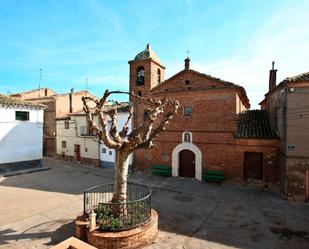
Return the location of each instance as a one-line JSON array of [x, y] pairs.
[[198, 159]]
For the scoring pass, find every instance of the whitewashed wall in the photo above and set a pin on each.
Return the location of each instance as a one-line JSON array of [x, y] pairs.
[[89, 145], [109, 156], [20, 140]]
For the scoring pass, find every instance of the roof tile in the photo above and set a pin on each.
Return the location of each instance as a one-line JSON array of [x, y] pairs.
[[254, 124]]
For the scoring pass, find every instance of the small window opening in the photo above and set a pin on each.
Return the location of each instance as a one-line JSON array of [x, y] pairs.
[[22, 116], [158, 76], [66, 124], [146, 114], [139, 93], [140, 76], [187, 82], [64, 144], [187, 137], [187, 111]]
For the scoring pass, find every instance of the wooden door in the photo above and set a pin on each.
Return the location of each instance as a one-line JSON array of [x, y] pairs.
[[253, 165], [187, 164], [77, 152]]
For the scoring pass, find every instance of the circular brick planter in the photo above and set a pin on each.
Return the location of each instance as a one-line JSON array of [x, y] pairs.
[[133, 238]]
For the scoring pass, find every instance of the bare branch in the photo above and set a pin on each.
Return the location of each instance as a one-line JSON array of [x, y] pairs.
[[162, 126], [123, 133], [101, 133]]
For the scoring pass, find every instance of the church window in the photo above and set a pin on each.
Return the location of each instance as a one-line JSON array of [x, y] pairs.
[[187, 137], [187, 111], [140, 76], [158, 76], [146, 114]]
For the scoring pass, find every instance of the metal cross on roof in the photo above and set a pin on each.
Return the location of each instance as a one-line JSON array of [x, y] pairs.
[[188, 53]]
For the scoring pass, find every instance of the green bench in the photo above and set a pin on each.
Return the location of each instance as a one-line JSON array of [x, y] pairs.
[[159, 170], [213, 176]]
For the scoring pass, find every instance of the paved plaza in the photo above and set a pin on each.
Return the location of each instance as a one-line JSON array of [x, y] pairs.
[[38, 210]]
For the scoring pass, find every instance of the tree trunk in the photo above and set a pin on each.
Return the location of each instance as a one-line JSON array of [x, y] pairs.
[[121, 177]]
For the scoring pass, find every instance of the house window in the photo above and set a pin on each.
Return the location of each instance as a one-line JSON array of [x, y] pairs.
[[158, 76], [66, 124], [22, 116], [86, 149], [63, 144], [140, 76], [187, 82], [110, 153], [83, 130], [187, 111], [104, 150]]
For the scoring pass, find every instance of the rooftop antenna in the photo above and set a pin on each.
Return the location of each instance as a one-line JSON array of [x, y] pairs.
[[40, 81], [40, 77], [87, 85]]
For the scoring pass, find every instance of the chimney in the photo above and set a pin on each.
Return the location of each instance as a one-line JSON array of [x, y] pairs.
[[70, 99], [272, 77], [187, 63]]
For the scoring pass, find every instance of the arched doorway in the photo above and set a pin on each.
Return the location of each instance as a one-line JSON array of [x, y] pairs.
[[198, 159], [187, 163]]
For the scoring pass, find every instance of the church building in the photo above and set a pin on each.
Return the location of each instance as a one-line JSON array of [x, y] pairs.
[[213, 129]]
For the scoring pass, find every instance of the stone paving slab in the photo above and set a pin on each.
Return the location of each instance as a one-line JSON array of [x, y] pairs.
[[38, 210]]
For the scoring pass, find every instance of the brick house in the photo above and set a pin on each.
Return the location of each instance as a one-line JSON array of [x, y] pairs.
[[213, 129], [288, 106]]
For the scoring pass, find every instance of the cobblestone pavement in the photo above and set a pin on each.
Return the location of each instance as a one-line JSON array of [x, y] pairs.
[[38, 210]]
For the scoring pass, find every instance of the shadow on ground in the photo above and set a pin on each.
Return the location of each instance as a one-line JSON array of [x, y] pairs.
[[63, 230], [191, 214]]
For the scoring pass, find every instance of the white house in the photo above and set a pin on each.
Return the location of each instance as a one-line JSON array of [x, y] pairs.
[[21, 134], [107, 155], [76, 142]]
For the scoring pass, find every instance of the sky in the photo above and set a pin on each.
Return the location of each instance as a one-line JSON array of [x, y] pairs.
[[75, 40]]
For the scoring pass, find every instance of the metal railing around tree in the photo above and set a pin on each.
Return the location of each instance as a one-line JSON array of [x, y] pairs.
[[118, 216]]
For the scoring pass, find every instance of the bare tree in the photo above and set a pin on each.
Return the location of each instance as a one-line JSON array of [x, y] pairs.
[[156, 117]]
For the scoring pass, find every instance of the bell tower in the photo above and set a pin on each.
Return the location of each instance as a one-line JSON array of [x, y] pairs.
[[146, 72]]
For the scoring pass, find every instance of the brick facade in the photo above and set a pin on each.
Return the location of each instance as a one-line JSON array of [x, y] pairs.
[[216, 105]]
